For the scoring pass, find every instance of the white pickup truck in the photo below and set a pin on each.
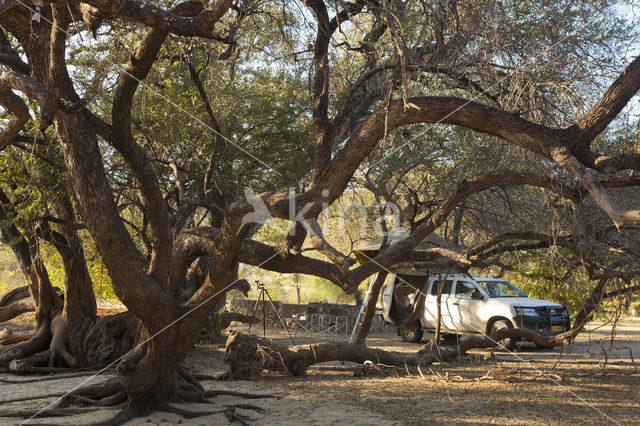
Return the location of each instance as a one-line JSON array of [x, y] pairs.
[[475, 305]]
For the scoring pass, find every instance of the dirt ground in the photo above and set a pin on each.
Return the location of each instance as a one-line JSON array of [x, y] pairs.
[[592, 382]]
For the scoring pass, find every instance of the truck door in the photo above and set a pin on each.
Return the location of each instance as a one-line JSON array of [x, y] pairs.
[[430, 305], [465, 307]]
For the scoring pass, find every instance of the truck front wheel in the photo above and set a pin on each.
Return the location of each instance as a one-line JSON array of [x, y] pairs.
[[508, 344], [411, 333]]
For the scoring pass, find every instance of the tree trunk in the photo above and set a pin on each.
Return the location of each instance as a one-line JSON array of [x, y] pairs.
[[371, 308], [436, 334], [46, 300], [148, 375], [69, 327]]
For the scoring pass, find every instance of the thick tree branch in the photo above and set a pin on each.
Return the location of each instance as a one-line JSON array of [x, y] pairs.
[[398, 250], [196, 242], [122, 139], [197, 24], [16, 106], [325, 29], [26, 84], [12, 237], [319, 243], [611, 164], [482, 248], [447, 110], [514, 129], [371, 308], [610, 104], [566, 159], [618, 292], [10, 58]]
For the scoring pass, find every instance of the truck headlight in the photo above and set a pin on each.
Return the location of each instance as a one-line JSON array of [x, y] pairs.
[[520, 311]]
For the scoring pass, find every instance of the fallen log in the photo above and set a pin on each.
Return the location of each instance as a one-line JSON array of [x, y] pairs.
[[16, 302], [248, 355]]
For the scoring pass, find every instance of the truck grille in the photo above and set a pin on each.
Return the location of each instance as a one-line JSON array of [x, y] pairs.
[[556, 320]]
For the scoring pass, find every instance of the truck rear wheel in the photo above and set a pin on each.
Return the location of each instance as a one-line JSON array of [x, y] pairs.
[[411, 333]]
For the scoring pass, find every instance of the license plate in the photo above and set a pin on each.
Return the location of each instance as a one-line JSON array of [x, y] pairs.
[[557, 328]]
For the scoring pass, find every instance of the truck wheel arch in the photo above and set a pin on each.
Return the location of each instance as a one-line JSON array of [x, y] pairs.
[[487, 330]]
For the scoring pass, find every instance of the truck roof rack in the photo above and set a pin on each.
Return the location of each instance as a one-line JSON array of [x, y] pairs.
[[472, 276], [437, 273]]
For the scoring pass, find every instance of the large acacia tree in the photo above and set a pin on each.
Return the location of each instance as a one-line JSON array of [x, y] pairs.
[[396, 65]]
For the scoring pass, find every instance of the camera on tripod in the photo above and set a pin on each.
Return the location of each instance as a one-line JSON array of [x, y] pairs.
[[263, 292]]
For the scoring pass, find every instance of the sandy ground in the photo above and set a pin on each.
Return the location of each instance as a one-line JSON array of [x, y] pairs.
[[593, 382]]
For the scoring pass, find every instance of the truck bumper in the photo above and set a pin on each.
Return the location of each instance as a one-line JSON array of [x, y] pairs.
[[545, 323]]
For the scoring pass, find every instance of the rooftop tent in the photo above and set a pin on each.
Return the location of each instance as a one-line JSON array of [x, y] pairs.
[[369, 250]]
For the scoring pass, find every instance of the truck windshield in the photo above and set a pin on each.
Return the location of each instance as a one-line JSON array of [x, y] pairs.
[[501, 289]]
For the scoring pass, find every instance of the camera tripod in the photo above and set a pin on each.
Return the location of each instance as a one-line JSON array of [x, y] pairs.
[[263, 292]]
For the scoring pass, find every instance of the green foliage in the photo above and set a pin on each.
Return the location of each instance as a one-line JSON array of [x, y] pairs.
[[282, 287], [546, 276], [10, 274], [322, 290], [99, 276]]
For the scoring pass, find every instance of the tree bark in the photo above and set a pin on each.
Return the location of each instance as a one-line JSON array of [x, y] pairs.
[[16, 302], [371, 308], [46, 301], [248, 356]]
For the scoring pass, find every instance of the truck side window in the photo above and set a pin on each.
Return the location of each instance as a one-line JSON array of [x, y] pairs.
[[464, 290], [446, 287]]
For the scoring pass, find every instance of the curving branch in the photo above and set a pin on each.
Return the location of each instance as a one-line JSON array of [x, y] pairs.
[[14, 104], [9, 57], [430, 109], [193, 243], [481, 249], [620, 216], [398, 250], [620, 291], [609, 106], [11, 236], [552, 143], [198, 24], [611, 164], [122, 139], [325, 29]]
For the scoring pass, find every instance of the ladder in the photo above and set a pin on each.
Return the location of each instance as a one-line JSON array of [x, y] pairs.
[[363, 308]]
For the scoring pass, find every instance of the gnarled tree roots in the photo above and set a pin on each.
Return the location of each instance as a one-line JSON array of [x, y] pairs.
[[112, 394], [48, 349]]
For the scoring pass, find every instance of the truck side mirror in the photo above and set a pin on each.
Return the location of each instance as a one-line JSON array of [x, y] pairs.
[[476, 295]]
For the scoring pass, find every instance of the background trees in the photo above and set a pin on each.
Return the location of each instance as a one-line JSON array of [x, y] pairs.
[[144, 124]]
